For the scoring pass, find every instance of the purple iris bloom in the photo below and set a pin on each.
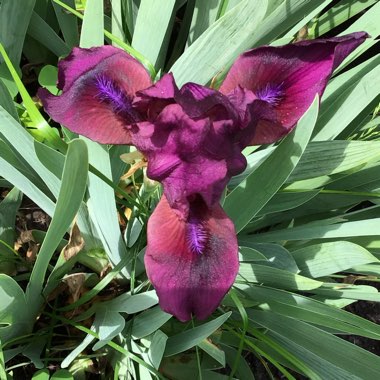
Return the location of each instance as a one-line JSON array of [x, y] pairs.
[[193, 138]]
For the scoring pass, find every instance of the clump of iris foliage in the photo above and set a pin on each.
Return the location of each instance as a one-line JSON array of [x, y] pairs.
[[305, 209]]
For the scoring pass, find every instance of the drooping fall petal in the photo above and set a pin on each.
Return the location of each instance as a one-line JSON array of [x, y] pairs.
[[286, 79], [98, 86], [191, 262]]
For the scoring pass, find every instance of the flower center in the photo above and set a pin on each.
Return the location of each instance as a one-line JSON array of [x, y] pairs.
[[197, 234], [271, 93], [111, 93]]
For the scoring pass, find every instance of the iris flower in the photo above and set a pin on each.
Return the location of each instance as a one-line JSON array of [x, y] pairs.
[[193, 138]]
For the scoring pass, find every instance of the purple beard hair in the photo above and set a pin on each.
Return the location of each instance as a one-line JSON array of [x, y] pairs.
[[271, 93], [111, 93], [197, 235]]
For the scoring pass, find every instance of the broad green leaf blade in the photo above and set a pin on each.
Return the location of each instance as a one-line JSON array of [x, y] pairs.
[[351, 102], [18, 179], [117, 19], [368, 227], [157, 348], [148, 322], [108, 324], [283, 201], [187, 339], [102, 206], [154, 19], [205, 13], [93, 25], [277, 278], [247, 199], [14, 21], [369, 23], [348, 358], [322, 158], [41, 129], [275, 256], [8, 210], [68, 202], [133, 304], [21, 141], [310, 310], [240, 29], [68, 23], [6, 101], [205, 57], [328, 258], [14, 314], [41, 31], [214, 351], [339, 13]]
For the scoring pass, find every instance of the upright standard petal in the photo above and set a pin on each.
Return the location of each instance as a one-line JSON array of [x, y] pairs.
[[191, 262], [98, 86], [191, 150], [285, 79], [191, 141]]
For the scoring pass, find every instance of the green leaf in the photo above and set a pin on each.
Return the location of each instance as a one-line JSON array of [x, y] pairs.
[[234, 31], [339, 13], [108, 324], [157, 348], [214, 351], [62, 374], [276, 256], [8, 210], [41, 130], [68, 23], [154, 19], [283, 201], [247, 199], [117, 19], [347, 359], [93, 25], [17, 177], [205, 14], [190, 338], [240, 29], [148, 322], [309, 310], [348, 106], [6, 101], [327, 258], [42, 374], [331, 157], [262, 274], [133, 304], [48, 77], [41, 31], [102, 206], [68, 202], [14, 313], [14, 21], [368, 227]]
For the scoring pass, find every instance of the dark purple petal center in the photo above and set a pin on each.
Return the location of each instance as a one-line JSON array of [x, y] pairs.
[[111, 93], [271, 93]]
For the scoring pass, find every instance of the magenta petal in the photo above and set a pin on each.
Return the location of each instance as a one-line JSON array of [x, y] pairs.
[[98, 86], [191, 263], [155, 98], [287, 78], [189, 156], [198, 101]]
